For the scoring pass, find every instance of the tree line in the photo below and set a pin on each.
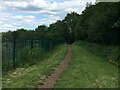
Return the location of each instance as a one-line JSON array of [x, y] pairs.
[[99, 23]]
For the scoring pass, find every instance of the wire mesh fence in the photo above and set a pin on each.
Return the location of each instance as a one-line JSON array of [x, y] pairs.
[[20, 53]]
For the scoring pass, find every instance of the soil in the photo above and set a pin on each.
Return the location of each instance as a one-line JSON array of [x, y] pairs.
[[50, 81]]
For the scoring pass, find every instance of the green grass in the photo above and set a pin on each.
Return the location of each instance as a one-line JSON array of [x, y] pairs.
[[88, 70], [34, 75], [24, 55], [108, 52]]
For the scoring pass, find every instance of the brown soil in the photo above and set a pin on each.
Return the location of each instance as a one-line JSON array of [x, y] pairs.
[[50, 81]]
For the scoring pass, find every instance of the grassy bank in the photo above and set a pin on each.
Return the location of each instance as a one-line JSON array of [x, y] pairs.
[[32, 76], [107, 52], [89, 68]]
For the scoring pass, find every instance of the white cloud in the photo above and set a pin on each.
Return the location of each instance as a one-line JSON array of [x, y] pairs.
[[54, 10], [7, 27], [21, 17], [50, 19], [16, 4], [44, 6], [13, 22]]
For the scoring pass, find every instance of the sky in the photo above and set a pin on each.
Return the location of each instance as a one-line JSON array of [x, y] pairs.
[[28, 14]]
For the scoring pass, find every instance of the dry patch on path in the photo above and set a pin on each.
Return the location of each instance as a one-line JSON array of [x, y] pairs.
[[50, 81]]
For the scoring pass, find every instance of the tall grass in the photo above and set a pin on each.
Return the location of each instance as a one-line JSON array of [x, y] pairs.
[[25, 55], [34, 76], [108, 52], [88, 68]]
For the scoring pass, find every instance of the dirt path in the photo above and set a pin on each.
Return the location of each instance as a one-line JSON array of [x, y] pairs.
[[50, 81]]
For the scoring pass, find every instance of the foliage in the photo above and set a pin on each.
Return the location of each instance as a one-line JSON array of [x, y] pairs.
[[24, 54], [95, 23], [98, 23], [33, 76], [87, 70], [109, 53]]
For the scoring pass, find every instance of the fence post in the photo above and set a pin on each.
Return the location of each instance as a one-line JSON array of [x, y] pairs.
[[1, 61], [31, 44], [15, 34], [14, 44]]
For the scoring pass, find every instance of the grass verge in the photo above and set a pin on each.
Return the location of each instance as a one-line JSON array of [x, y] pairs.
[[88, 70], [33, 76]]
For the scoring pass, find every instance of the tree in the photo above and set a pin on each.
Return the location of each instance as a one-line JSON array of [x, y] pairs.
[[70, 21], [40, 32]]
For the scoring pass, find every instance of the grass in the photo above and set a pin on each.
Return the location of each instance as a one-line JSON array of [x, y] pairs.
[[33, 76], [88, 70], [108, 52], [26, 56]]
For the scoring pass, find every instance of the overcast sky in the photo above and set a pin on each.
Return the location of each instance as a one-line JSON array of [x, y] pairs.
[[29, 14]]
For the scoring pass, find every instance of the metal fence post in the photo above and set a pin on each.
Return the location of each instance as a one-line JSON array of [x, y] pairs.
[[14, 44], [14, 47], [31, 44]]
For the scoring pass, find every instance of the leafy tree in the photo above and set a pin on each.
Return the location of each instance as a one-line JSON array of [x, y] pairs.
[[98, 23], [70, 21], [40, 32]]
